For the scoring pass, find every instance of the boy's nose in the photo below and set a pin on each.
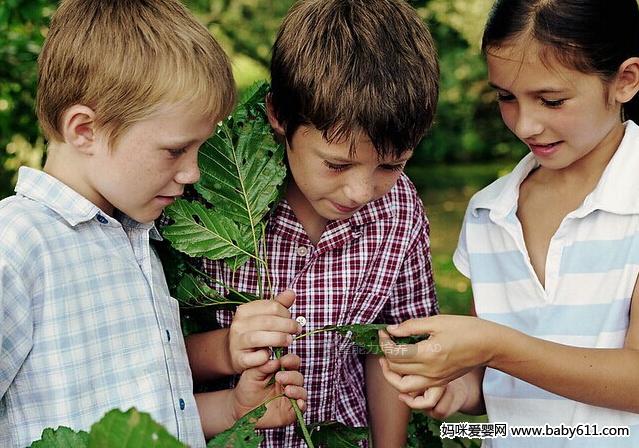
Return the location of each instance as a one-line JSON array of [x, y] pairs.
[[360, 192], [189, 173]]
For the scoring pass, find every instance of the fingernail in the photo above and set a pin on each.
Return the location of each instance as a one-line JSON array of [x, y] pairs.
[[289, 339]]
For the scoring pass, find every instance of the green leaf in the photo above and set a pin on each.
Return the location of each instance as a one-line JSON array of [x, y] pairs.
[[242, 167], [192, 291], [198, 231], [130, 429], [62, 437], [366, 337], [242, 434], [336, 435]]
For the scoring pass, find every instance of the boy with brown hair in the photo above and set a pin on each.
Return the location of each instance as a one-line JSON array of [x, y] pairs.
[[128, 91], [354, 88]]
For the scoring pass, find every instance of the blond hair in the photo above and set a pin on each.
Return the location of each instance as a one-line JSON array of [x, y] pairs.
[[127, 58], [352, 66]]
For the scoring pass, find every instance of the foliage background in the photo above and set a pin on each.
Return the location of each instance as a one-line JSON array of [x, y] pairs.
[[467, 148]]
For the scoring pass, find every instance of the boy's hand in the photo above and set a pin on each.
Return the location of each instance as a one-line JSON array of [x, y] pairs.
[[457, 344], [257, 326], [252, 390]]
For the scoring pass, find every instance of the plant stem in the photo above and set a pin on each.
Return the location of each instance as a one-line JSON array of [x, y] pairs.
[[300, 419], [310, 333]]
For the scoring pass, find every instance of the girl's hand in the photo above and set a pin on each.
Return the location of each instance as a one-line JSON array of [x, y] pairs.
[[439, 402], [252, 390], [257, 326], [457, 344]]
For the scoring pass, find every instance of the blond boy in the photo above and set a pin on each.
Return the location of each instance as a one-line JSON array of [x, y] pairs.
[[128, 91]]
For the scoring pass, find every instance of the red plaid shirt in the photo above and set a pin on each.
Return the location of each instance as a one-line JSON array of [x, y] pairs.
[[372, 268]]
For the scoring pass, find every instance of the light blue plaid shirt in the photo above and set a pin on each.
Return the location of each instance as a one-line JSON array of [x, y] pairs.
[[86, 320]]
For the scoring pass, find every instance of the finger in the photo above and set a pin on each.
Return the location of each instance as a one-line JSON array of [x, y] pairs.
[[302, 405], [406, 368], [410, 383], [291, 361], [269, 367], [266, 322], [257, 358], [295, 392], [411, 327], [392, 377], [257, 339], [286, 298], [261, 308], [290, 377], [418, 402]]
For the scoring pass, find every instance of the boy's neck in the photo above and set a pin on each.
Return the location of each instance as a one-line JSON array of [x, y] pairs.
[[62, 164], [313, 224]]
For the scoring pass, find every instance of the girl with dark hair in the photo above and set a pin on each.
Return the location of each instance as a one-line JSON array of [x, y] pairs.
[[552, 249]]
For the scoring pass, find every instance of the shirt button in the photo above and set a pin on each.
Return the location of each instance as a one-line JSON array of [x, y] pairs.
[[301, 320], [302, 251], [101, 219], [182, 404]]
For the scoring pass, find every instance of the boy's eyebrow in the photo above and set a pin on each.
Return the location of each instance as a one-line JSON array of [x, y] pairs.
[[339, 159]]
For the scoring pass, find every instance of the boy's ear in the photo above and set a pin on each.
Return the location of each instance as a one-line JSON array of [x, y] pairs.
[[627, 80], [79, 128], [272, 118]]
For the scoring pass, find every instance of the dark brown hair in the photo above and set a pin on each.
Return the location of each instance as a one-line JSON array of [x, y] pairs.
[[352, 66], [591, 36]]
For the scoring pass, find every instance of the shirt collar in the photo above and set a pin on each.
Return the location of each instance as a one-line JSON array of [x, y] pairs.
[[68, 203], [613, 193]]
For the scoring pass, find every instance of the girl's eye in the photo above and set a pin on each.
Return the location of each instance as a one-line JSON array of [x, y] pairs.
[[335, 166], [175, 153], [398, 167], [552, 103], [505, 97]]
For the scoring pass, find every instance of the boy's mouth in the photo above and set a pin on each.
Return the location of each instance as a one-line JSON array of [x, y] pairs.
[[344, 209]]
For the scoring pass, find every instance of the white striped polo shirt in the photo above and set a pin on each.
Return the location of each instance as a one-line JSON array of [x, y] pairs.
[[591, 268]]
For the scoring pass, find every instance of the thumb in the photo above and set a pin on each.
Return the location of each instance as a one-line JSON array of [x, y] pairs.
[[286, 298], [263, 372], [411, 327]]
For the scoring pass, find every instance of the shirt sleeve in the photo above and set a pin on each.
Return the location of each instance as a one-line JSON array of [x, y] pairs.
[[460, 256], [413, 294], [16, 324]]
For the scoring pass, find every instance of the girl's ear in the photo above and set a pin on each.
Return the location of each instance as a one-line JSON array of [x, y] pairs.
[[272, 118], [627, 84], [79, 128]]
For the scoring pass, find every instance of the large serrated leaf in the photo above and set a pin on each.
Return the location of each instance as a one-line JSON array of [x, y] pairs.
[[62, 437], [200, 232], [242, 434], [130, 429], [241, 169], [336, 435]]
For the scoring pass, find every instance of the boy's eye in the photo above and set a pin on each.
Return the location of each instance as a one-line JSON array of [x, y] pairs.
[[336, 166], [552, 103], [175, 153], [396, 167]]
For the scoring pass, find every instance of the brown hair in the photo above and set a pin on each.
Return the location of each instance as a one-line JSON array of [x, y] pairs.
[[126, 58], [353, 66]]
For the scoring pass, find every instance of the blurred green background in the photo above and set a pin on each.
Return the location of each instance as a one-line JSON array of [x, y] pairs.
[[467, 148]]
